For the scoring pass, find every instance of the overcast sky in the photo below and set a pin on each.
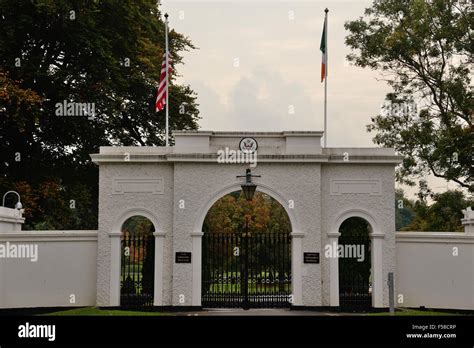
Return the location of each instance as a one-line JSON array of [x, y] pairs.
[[257, 68]]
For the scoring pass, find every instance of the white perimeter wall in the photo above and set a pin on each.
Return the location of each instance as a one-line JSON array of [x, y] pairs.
[[66, 265], [428, 272]]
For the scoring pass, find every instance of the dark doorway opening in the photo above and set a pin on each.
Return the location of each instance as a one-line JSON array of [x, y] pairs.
[[355, 287], [137, 263]]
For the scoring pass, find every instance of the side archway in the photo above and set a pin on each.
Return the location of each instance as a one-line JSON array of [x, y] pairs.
[[137, 263], [376, 236], [155, 261], [355, 292], [373, 224]]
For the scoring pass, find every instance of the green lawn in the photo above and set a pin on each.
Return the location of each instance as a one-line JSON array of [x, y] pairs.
[[133, 270], [94, 311], [253, 289], [229, 283], [413, 312]]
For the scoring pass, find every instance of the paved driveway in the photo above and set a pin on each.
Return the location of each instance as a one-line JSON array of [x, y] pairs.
[[263, 312]]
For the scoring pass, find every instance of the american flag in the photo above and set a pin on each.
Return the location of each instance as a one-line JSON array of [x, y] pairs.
[[161, 94]]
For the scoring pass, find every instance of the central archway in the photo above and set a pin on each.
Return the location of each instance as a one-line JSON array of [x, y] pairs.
[[246, 253], [296, 241]]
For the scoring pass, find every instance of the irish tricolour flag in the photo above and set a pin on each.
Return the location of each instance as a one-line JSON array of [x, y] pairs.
[[323, 48]]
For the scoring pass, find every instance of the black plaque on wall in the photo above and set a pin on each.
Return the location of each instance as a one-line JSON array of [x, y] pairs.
[[182, 257], [311, 257]]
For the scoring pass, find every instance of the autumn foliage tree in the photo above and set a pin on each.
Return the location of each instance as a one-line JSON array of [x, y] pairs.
[[231, 213]]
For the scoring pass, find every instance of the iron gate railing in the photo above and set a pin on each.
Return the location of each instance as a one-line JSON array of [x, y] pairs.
[[137, 274], [248, 270], [355, 291]]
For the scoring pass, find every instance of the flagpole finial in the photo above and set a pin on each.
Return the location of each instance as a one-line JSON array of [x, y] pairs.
[[166, 16], [326, 10]]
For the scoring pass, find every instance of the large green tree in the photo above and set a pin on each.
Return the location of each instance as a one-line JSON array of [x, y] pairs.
[[443, 214], [105, 53], [424, 50]]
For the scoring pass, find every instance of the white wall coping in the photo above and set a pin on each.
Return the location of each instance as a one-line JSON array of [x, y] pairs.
[[13, 220], [145, 150], [11, 216], [137, 156], [434, 237], [360, 151], [297, 234], [11, 212], [197, 146], [50, 236], [241, 134]]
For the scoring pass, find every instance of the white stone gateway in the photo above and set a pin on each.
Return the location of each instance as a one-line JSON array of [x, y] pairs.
[[174, 187]]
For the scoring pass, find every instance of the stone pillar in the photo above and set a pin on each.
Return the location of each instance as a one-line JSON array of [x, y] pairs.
[[197, 267], [377, 269], [159, 251], [468, 220], [296, 265], [115, 255], [11, 219], [333, 239]]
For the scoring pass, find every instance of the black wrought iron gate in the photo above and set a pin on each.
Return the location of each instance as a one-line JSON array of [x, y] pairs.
[[138, 270], [248, 270], [355, 290]]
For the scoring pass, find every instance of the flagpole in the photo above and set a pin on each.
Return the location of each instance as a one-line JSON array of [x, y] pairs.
[[326, 79], [167, 79]]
